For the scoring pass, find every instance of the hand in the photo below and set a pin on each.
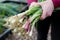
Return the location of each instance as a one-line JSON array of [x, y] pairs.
[[47, 7]]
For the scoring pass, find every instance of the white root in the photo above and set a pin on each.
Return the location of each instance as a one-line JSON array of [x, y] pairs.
[[15, 23]]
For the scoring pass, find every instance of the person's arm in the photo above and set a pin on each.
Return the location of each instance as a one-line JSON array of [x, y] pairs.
[[47, 7], [56, 3], [30, 1]]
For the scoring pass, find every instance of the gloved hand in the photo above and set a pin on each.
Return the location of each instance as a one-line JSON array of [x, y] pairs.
[[47, 8]]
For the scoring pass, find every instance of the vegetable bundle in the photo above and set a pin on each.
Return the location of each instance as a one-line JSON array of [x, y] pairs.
[[23, 23]]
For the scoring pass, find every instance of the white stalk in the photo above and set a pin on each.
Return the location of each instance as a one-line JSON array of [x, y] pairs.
[[21, 20], [31, 32], [33, 25], [20, 15]]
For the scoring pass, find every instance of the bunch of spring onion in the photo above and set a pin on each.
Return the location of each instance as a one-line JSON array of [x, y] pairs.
[[24, 22]]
